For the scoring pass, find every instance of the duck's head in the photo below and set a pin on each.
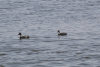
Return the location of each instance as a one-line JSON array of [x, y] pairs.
[[58, 31], [19, 34]]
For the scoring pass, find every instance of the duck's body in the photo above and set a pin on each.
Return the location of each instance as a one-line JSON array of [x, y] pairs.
[[62, 34], [23, 37]]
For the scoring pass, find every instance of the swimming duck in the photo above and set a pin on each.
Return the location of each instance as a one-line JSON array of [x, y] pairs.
[[23, 37], [61, 33]]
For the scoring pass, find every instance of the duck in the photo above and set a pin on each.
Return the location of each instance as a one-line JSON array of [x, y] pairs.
[[23, 37], [61, 34]]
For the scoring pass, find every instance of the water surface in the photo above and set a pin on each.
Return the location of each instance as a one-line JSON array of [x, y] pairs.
[[41, 20]]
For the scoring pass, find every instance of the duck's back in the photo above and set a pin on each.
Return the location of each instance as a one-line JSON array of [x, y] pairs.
[[62, 34], [24, 37]]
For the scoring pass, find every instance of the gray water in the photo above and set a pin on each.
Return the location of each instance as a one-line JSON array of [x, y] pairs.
[[40, 19]]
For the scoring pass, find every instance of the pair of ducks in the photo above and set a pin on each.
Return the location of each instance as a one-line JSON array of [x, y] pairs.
[[26, 37]]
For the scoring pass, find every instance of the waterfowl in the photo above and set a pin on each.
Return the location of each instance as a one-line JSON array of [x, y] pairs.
[[62, 34], [23, 37]]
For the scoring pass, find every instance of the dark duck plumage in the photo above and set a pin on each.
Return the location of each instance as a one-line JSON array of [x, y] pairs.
[[62, 34], [23, 37]]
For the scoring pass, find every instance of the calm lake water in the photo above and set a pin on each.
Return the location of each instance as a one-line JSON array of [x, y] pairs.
[[40, 19]]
